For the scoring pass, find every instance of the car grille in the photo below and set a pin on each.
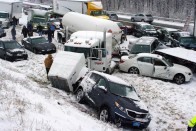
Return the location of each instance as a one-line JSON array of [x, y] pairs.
[[135, 114]]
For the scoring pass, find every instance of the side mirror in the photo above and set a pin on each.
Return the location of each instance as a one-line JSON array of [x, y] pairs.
[[1, 48], [103, 88]]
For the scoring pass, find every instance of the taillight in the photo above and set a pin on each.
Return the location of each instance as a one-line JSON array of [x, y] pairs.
[[121, 61], [109, 31]]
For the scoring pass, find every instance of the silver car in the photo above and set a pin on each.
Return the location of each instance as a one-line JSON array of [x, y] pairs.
[[142, 17]]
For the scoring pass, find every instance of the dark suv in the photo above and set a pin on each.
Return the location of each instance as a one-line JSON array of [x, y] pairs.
[[184, 39], [140, 29], [12, 50], [114, 99]]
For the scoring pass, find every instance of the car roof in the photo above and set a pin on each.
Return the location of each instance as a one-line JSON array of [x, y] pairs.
[[149, 55], [145, 40], [111, 78], [142, 23]]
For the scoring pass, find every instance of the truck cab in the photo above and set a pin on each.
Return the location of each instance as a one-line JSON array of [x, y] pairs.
[[92, 45], [4, 18]]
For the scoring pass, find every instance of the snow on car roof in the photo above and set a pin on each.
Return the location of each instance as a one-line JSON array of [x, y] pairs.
[[150, 55], [145, 40], [112, 78]]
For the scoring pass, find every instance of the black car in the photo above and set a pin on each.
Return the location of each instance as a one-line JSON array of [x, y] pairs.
[[12, 50], [38, 45], [184, 39], [140, 29], [114, 99]]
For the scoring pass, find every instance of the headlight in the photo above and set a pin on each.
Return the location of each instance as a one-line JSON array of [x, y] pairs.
[[35, 26], [120, 107], [7, 53], [45, 27]]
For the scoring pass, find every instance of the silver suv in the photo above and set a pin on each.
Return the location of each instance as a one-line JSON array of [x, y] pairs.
[[142, 17]]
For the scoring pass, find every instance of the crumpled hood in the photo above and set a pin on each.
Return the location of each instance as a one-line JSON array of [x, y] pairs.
[[16, 50], [178, 68], [130, 104]]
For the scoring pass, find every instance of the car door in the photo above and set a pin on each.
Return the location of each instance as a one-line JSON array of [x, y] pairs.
[[161, 70], [145, 66], [27, 44], [140, 17], [97, 94], [2, 50]]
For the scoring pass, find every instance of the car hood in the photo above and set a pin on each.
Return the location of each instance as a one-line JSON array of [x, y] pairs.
[[181, 69], [44, 46], [138, 106], [16, 50]]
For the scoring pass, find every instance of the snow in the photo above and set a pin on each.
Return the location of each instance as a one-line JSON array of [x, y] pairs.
[[181, 53], [28, 102]]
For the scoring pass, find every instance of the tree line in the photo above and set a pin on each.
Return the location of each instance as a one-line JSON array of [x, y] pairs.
[[178, 9]]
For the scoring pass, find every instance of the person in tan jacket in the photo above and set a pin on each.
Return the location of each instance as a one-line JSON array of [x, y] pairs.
[[48, 62]]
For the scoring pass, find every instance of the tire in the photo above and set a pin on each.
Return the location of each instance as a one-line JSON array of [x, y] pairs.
[[104, 114], [80, 95], [34, 51], [132, 20], [133, 70], [179, 79]]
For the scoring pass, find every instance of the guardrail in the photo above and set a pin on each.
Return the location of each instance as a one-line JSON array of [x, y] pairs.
[[155, 17]]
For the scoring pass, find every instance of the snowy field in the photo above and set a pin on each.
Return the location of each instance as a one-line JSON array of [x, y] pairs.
[[28, 102]]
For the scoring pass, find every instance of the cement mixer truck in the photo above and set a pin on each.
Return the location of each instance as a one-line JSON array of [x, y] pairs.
[[80, 22]]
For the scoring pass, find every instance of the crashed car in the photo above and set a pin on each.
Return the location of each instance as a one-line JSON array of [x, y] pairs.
[[115, 100], [38, 45], [11, 50], [154, 65]]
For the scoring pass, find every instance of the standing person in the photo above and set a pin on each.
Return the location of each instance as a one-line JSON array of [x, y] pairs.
[[13, 32], [24, 31], [30, 28], [14, 21], [52, 28], [48, 63], [39, 29], [49, 35], [192, 124]]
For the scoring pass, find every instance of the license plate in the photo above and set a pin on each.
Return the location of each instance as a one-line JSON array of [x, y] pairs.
[[136, 124]]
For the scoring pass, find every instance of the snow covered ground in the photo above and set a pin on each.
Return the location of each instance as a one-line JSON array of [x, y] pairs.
[[28, 102]]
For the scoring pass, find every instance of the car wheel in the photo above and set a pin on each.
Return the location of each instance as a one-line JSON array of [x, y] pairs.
[[118, 122], [132, 19], [79, 95], [179, 79], [134, 70], [104, 114], [34, 51]]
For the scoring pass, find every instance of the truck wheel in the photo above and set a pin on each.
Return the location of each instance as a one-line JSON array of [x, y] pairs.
[[179, 79], [80, 95]]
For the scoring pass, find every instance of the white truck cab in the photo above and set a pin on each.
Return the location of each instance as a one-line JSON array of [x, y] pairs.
[[96, 47]]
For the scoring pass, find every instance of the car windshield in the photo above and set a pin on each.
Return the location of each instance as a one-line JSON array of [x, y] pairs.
[[86, 51], [123, 91], [38, 40], [140, 49], [168, 62], [39, 20], [4, 15], [148, 15], [98, 13], [188, 40], [12, 45], [148, 27]]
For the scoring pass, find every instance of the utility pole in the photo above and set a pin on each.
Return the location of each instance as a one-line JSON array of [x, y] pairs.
[[194, 29]]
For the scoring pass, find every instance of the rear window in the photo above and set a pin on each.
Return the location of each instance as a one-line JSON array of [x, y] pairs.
[[149, 15], [140, 49]]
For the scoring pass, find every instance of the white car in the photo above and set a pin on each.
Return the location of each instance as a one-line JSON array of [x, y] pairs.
[[154, 65]]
